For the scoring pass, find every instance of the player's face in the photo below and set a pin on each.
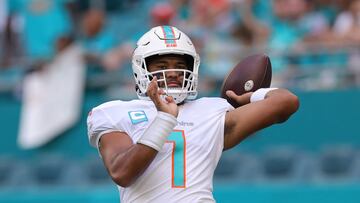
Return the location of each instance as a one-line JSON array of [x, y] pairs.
[[173, 78]]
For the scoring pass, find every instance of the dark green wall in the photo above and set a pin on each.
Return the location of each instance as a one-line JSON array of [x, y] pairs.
[[324, 118]]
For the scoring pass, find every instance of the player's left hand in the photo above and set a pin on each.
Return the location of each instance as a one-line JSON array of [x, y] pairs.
[[240, 99], [167, 104]]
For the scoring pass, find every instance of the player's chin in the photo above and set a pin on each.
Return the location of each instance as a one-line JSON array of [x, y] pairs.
[[174, 86]]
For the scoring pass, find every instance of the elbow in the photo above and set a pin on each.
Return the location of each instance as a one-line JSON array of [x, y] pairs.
[[121, 178], [292, 104], [289, 104]]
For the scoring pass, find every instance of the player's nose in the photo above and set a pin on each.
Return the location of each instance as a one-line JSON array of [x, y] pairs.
[[172, 74]]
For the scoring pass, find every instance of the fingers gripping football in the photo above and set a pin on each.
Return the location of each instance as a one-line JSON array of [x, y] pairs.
[[240, 99]]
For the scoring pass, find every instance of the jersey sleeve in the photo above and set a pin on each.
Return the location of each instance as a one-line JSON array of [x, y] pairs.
[[98, 123], [222, 106]]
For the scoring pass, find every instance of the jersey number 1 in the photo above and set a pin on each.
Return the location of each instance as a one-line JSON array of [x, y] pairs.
[[178, 162]]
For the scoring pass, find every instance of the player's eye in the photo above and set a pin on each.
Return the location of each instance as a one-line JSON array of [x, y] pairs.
[[161, 67], [181, 67]]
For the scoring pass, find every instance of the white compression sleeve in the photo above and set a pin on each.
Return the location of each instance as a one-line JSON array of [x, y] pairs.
[[158, 131]]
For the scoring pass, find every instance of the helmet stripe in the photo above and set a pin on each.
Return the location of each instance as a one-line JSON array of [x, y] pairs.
[[169, 36]]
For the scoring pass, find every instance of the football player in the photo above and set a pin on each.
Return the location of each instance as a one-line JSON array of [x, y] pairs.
[[165, 146]]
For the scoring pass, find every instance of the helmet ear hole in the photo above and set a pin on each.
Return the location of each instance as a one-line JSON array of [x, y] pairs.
[[189, 62]]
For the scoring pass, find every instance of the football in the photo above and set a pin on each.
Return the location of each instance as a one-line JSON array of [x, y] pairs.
[[252, 73]]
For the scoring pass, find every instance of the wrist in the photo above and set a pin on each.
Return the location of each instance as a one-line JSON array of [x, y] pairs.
[[260, 94], [158, 131]]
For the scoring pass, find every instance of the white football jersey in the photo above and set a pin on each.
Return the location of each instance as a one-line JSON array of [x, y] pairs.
[[183, 170]]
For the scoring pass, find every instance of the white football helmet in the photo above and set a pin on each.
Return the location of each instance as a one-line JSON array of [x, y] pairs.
[[163, 40]]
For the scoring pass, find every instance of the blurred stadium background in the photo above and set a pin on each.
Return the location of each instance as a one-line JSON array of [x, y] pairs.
[[60, 58]]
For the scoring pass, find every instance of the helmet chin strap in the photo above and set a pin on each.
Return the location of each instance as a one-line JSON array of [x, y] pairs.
[[177, 96]]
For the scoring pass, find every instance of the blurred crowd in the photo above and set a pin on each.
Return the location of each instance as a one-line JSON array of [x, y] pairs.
[[313, 44]]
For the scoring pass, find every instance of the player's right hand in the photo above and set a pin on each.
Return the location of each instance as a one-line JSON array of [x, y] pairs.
[[166, 105]]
